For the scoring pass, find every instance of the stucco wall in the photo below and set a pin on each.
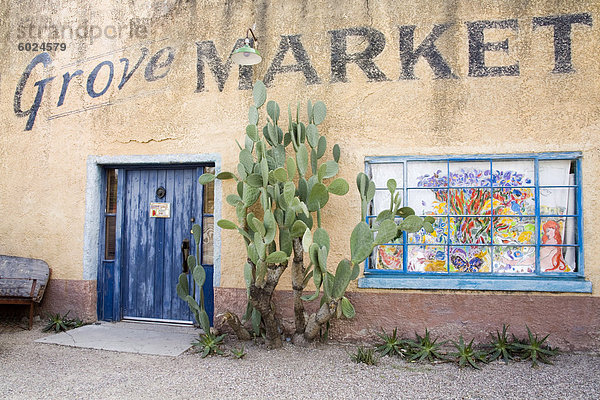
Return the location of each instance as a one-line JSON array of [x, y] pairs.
[[371, 111]]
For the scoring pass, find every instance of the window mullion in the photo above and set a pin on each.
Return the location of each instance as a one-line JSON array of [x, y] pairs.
[[492, 246], [448, 217], [405, 203]]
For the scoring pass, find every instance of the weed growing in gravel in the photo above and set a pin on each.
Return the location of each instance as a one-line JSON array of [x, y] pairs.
[[364, 355], [238, 353], [210, 344], [61, 323]]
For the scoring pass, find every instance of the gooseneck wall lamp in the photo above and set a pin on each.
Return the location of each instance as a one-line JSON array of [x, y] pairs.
[[247, 55]]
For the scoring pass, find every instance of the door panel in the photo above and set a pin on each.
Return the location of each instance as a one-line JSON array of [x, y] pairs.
[[151, 247]]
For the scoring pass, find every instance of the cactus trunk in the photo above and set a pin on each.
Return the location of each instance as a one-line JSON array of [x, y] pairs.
[[236, 325], [298, 272], [261, 299], [319, 319]]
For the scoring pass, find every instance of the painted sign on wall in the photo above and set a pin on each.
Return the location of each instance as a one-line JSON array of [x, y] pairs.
[[158, 65]]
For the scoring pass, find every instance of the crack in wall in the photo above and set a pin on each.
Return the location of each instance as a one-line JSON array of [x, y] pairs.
[[369, 13], [147, 141]]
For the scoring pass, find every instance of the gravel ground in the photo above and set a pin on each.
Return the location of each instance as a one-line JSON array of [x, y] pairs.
[[31, 370]]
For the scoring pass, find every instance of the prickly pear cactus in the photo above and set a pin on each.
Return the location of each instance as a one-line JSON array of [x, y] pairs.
[[287, 179], [199, 276]]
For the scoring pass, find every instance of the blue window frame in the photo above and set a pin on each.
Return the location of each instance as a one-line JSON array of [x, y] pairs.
[[502, 222], [207, 223], [110, 215]]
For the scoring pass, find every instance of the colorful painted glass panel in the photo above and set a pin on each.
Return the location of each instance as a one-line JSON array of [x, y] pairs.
[[470, 259], [559, 258], [438, 236], [427, 259], [514, 230], [514, 259], [389, 256]]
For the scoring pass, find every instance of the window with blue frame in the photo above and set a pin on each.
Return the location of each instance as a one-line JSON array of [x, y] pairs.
[[208, 218], [502, 222]]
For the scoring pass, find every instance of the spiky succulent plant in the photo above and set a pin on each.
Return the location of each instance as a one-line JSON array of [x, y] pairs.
[[534, 349], [466, 355], [392, 345], [425, 348], [501, 346]]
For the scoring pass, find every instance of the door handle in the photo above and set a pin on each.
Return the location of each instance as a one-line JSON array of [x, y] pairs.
[[185, 252]]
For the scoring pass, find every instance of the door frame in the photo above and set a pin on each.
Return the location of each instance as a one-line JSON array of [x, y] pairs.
[[95, 190]]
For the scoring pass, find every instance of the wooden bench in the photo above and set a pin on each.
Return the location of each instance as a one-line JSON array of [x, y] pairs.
[[23, 281]]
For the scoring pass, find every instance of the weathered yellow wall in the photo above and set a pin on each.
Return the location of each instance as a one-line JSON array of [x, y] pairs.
[[43, 170]]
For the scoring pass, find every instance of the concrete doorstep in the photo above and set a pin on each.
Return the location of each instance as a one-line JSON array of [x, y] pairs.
[[128, 337]]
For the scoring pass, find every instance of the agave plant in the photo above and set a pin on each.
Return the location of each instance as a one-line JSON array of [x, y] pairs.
[[424, 348], [391, 344], [61, 323], [364, 355], [534, 349], [466, 355], [501, 346], [210, 344]]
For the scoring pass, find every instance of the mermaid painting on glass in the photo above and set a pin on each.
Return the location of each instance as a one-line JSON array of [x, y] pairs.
[[551, 257]]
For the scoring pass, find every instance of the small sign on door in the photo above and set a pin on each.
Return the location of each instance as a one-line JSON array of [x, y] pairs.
[[160, 210]]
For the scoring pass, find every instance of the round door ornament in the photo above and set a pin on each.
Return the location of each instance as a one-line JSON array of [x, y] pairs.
[[161, 192]]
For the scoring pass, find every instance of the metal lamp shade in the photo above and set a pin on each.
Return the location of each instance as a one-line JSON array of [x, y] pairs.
[[246, 55]]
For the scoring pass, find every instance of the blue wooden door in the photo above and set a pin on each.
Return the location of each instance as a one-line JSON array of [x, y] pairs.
[[159, 208]]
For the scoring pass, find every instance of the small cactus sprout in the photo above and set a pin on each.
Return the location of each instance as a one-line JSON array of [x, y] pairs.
[[209, 344], [365, 355], [239, 353]]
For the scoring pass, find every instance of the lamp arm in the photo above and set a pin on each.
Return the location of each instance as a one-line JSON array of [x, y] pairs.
[[253, 37]]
